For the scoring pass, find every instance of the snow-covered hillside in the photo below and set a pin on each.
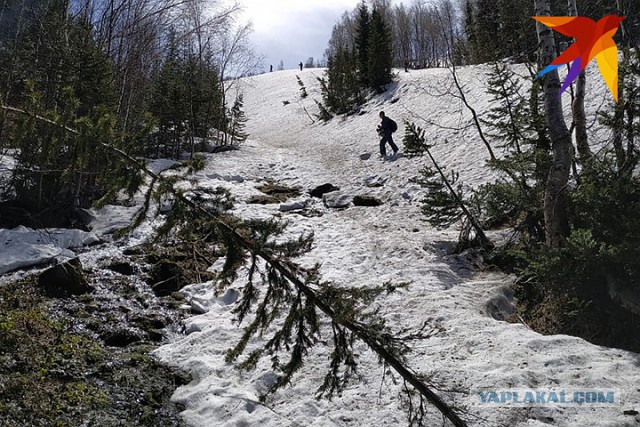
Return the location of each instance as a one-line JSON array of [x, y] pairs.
[[368, 246]]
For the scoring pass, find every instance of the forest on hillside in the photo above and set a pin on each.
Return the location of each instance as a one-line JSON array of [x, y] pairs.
[[426, 34], [150, 78]]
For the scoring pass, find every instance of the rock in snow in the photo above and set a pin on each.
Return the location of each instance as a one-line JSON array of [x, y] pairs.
[[367, 201], [292, 207], [65, 279], [501, 306], [337, 200], [375, 181], [229, 297], [322, 190]]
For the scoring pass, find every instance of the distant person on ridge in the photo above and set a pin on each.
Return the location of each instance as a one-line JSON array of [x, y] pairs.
[[385, 130], [300, 65]]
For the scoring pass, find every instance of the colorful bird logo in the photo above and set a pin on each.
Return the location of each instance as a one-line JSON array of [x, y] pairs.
[[592, 39]]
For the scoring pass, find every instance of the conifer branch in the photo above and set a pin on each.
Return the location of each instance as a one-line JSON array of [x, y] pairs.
[[454, 207], [484, 241], [39, 118]]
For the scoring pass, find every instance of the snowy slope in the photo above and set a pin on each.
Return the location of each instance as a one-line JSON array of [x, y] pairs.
[[368, 246]]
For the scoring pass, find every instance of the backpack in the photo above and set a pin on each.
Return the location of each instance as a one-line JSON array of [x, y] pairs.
[[393, 125]]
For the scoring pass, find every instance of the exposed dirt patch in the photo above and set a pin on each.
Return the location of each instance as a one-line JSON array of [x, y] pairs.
[[279, 192], [263, 200], [556, 312], [84, 359]]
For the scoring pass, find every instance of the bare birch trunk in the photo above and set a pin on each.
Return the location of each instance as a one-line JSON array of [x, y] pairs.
[[577, 108], [555, 215], [580, 120]]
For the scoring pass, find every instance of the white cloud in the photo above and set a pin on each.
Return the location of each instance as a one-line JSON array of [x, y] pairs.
[[293, 30], [269, 15]]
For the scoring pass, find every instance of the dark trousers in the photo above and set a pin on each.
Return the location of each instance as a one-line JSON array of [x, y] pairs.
[[383, 142]]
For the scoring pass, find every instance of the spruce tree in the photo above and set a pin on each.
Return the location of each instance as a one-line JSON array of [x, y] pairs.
[[487, 26], [68, 81], [519, 130], [353, 65], [507, 120], [340, 88], [515, 29], [444, 203], [323, 113], [303, 88], [362, 41], [498, 30], [169, 104], [380, 53], [185, 102], [470, 30], [203, 96], [238, 121]]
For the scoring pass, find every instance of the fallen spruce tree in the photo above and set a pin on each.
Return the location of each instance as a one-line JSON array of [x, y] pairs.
[[277, 288]]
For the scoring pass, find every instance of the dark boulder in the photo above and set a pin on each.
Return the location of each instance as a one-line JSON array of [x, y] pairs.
[[133, 251], [367, 201], [166, 277], [322, 190], [120, 337], [65, 279], [123, 268], [279, 192]]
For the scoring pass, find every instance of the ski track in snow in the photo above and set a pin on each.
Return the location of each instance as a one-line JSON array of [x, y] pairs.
[[367, 246]]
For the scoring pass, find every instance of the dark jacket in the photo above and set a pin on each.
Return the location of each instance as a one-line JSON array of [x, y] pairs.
[[385, 126]]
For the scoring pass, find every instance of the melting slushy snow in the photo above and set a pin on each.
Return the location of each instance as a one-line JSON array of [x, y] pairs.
[[367, 246], [23, 247]]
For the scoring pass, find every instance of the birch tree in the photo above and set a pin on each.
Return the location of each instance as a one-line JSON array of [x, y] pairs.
[[402, 39], [555, 204], [577, 107], [421, 22]]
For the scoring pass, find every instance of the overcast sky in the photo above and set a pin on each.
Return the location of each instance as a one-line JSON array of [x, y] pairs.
[[293, 30]]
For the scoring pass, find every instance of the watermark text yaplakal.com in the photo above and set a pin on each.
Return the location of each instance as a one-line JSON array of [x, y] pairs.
[[549, 397]]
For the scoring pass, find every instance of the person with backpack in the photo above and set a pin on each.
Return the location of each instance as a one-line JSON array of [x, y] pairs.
[[385, 129]]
